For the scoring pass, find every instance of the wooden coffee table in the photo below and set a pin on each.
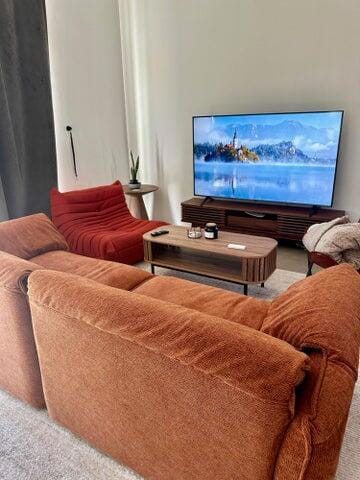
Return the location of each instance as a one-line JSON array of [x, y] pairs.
[[212, 258]]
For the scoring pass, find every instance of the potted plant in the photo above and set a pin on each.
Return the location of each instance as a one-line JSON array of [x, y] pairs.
[[134, 168]]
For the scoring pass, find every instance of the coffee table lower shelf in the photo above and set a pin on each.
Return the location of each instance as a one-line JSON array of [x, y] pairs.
[[243, 271]]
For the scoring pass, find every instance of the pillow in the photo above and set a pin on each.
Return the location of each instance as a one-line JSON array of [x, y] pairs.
[[30, 236]]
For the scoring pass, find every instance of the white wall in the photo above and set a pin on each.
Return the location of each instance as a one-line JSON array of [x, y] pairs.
[[87, 89], [232, 56]]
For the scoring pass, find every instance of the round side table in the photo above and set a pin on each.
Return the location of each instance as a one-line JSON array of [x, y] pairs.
[[136, 201]]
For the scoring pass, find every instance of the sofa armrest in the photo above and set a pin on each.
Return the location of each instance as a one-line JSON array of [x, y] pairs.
[[321, 313], [320, 316], [14, 272], [261, 366]]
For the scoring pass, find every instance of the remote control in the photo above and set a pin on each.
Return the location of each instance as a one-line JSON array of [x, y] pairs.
[[158, 233], [236, 246]]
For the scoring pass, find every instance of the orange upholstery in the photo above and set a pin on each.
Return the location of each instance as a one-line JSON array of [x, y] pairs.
[[321, 316], [113, 274], [242, 309], [19, 368], [29, 236], [177, 379], [173, 391], [35, 238], [307, 315], [169, 391]]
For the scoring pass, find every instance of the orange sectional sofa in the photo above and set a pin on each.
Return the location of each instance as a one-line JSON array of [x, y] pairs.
[[183, 381], [28, 244]]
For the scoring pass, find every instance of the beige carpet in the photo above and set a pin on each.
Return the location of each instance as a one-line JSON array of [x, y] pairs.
[[277, 283], [33, 447]]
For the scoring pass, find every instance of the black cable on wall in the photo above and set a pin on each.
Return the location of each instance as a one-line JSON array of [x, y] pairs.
[[69, 129]]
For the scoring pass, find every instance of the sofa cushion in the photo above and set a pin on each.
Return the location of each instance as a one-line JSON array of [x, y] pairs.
[[113, 274], [29, 236], [211, 300], [322, 311]]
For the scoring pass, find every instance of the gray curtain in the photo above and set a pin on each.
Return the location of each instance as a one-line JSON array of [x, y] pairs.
[[27, 144]]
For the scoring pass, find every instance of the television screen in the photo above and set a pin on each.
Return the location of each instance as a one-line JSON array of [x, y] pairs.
[[272, 157]]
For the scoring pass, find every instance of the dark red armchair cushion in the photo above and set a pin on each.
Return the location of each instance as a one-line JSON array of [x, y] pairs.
[[96, 222]]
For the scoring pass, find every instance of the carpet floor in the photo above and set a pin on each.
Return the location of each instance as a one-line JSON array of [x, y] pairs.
[[33, 447], [279, 281]]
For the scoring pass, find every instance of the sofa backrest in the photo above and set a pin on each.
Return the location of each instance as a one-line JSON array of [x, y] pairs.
[[29, 236], [84, 206], [320, 316], [170, 391]]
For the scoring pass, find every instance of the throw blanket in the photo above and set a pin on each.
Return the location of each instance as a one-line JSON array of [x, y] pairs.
[[340, 239]]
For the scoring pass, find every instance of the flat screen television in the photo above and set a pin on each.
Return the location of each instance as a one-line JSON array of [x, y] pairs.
[[286, 158]]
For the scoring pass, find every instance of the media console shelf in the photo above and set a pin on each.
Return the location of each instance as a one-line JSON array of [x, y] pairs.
[[281, 222]]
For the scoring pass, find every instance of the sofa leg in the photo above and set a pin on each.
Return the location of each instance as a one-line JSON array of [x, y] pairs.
[[309, 270], [152, 268], [245, 289], [263, 285]]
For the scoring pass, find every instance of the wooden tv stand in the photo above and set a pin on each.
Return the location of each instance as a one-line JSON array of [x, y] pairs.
[[276, 221]]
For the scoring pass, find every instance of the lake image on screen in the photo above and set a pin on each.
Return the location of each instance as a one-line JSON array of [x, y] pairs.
[[287, 158]]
